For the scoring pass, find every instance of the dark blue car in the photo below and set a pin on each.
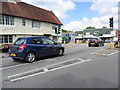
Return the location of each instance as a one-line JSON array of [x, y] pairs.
[[31, 48]]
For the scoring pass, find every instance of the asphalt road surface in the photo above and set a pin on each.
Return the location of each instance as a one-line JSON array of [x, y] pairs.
[[80, 67]]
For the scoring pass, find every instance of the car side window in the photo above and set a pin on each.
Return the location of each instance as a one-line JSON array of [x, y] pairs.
[[47, 41], [35, 41]]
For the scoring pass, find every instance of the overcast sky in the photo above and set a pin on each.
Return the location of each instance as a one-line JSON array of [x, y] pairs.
[[79, 14]]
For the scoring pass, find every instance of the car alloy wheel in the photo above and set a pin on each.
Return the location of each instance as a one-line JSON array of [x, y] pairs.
[[30, 57], [60, 52]]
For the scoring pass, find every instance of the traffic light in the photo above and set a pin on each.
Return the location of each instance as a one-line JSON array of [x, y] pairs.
[[111, 22], [59, 27]]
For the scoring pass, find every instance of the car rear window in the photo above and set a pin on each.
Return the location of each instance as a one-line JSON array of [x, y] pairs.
[[20, 41], [93, 39]]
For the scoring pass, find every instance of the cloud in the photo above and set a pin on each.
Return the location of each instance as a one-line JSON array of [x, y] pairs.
[[105, 9], [85, 22], [59, 7]]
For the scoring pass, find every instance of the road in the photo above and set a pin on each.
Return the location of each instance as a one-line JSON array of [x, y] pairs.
[[80, 67]]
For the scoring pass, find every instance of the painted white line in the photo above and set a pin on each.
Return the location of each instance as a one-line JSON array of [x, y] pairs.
[[12, 80], [38, 69], [45, 69], [97, 51], [50, 59], [13, 66], [16, 66], [112, 53], [104, 54], [24, 64]]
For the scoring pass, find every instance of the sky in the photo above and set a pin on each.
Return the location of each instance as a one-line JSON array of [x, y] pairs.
[[76, 15]]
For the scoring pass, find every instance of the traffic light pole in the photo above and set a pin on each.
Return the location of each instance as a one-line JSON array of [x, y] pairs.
[[57, 36]]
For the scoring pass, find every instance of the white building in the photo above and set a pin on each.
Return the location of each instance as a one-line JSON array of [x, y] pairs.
[[21, 20]]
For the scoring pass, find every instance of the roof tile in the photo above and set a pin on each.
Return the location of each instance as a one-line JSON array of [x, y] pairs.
[[22, 9]]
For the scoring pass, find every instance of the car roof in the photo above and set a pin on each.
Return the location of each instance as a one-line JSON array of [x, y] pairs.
[[33, 37]]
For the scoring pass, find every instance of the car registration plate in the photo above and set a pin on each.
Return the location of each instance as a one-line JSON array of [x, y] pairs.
[[13, 54], [92, 43]]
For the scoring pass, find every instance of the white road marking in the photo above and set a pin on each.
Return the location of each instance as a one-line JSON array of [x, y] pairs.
[[97, 51], [13, 66], [38, 69], [16, 65], [82, 61], [45, 69], [25, 64], [113, 53], [50, 59]]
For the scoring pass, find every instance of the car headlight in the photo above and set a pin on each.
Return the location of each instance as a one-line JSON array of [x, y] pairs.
[[62, 45]]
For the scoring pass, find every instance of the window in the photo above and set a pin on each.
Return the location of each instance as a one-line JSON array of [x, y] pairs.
[[35, 41], [107, 32], [6, 20], [6, 38], [23, 22], [0, 19], [0, 38], [35, 24], [96, 32], [3, 20], [20, 41], [12, 20], [47, 41], [54, 28]]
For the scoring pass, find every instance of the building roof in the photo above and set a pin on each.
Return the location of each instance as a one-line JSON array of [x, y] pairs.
[[98, 29], [22, 9]]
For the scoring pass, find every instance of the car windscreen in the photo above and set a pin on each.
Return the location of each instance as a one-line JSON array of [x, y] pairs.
[[20, 41]]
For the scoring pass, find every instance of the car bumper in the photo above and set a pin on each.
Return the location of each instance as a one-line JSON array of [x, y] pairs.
[[94, 44], [18, 55]]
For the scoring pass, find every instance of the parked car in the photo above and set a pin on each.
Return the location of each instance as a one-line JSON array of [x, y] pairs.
[[107, 41], [95, 42], [31, 48], [4, 47]]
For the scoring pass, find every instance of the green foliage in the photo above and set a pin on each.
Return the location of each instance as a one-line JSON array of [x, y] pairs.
[[90, 27], [78, 32], [64, 31]]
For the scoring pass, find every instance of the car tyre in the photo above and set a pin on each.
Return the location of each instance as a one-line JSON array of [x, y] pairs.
[[89, 45], [61, 52], [30, 57], [99, 45], [102, 44]]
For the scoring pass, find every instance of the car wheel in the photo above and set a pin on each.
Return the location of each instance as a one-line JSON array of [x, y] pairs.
[[15, 59], [60, 52], [99, 45], [102, 44], [89, 45], [30, 57]]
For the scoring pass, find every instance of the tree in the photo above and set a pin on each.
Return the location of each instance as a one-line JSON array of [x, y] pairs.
[[64, 31], [90, 27], [104, 27]]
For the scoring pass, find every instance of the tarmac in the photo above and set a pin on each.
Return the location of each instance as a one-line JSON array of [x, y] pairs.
[[69, 45]]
